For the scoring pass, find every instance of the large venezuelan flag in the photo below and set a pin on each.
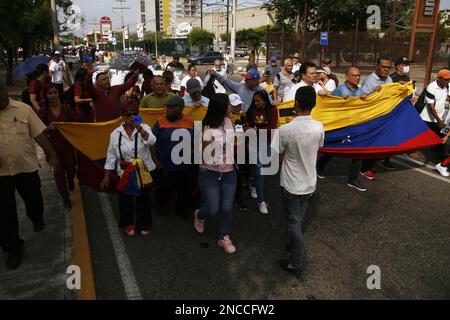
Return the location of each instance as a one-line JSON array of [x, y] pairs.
[[385, 123]]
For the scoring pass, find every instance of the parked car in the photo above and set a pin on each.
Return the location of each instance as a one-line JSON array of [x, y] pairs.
[[205, 57], [241, 51]]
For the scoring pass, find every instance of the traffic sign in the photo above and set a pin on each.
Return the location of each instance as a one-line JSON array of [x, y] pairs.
[[324, 38], [114, 41]]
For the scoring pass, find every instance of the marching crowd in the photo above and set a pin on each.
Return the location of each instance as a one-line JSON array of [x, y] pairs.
[[212, 187]]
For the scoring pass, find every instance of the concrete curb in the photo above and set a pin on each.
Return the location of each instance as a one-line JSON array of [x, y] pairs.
[[81, 250]]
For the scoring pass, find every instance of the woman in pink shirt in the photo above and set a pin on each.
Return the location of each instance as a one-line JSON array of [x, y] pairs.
[[217, 174]]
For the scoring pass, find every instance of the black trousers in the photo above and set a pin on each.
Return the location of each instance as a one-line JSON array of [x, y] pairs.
[[354, 169], [243, 172], [439, 150], [28, 185], [182, 183], [143, 210]]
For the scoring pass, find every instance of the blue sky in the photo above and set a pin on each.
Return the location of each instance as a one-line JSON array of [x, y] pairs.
[[104, 8]]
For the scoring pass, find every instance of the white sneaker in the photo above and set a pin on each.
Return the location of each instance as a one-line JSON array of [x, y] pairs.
[[442, 170], [263, 208], [253, 192]]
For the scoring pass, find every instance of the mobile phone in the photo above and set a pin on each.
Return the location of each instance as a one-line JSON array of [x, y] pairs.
[[267, 73]]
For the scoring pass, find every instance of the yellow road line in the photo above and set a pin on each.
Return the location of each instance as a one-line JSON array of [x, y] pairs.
[[81, 252]]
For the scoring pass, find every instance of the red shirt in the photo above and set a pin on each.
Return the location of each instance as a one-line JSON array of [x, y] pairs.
[[260, 121], [107, 103], [59, 143], [83, 110], [39, 88]]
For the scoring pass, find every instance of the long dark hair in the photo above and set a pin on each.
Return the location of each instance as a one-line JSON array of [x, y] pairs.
[[80, 75], [268, 110], [217, 110]]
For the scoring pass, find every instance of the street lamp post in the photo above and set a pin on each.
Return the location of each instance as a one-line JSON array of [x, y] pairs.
[[233, 31], [54, 25]]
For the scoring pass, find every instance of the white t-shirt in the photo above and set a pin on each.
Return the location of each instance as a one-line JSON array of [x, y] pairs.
[[186, 79], [330, 85], [57, 70], [290, 94], [296, 67], [300, 141], [437, 96]]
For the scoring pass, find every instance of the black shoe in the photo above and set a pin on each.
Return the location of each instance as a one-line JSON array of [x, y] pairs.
[[285, 265], [320, 173], [241, 205], [357, 185], [71, 185], [38, 226], [386, 164], [14, 260], [67, 204]]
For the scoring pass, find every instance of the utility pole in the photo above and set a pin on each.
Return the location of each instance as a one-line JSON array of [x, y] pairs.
[[93, 24], [55, 25], [233, 30], [201, 14], [228, 21], [121, 8]]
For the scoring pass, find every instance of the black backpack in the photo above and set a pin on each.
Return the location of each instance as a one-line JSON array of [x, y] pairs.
[[421, 102]]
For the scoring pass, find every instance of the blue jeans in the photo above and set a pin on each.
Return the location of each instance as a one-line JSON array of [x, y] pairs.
[[295, 207], [218, 191]]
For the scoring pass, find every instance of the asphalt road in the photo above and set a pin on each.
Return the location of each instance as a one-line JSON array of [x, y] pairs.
[[400, 224]]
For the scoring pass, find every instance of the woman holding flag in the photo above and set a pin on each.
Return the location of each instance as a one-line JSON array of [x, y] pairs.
[[129, 155]]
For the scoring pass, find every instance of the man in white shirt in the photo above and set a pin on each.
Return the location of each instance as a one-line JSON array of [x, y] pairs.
[[299, 141], [309, 78], [433, 114], [296, 62], [283, 81], [58, 72]]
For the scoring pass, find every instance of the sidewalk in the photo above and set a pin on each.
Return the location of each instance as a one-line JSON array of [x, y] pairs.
[[47, 254]]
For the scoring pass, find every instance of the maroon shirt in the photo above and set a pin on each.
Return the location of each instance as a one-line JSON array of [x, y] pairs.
[[59, 143], [83, 110], [107, 103], [39, 88]]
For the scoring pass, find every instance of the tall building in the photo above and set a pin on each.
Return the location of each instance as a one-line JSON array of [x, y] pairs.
[[164, 15]]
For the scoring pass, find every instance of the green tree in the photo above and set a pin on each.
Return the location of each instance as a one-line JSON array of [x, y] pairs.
[[200, 38], [26, 24]]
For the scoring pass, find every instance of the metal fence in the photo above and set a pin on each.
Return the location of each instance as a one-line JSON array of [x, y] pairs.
[[345, 50]]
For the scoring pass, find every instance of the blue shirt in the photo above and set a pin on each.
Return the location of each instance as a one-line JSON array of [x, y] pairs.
[[346, 90], [372, 82]]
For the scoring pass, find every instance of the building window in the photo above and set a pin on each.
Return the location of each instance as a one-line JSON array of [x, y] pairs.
[[142, 6], [143, 18]]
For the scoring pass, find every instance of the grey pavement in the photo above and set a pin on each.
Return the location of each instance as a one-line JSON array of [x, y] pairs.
[[47, 254]]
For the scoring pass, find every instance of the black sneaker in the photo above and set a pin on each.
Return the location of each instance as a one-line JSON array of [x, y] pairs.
[[286, 266], [357, 185], [13, 261], [386, 164], [241, 205], [320, 173], [38, 226]]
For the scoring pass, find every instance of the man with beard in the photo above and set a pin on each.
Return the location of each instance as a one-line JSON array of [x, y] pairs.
[[172, 177]]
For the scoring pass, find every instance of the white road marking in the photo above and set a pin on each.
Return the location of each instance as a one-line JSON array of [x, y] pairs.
[[427, 173], [126, 270]]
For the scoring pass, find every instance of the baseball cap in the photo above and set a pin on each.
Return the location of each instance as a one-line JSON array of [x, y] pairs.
[[57, 52], [252, 74], [402, 60], [175, 56], [444, 73], [235, 99], [327, 70], [273, 58], [175, 101], [327, 61], [192, 85]]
